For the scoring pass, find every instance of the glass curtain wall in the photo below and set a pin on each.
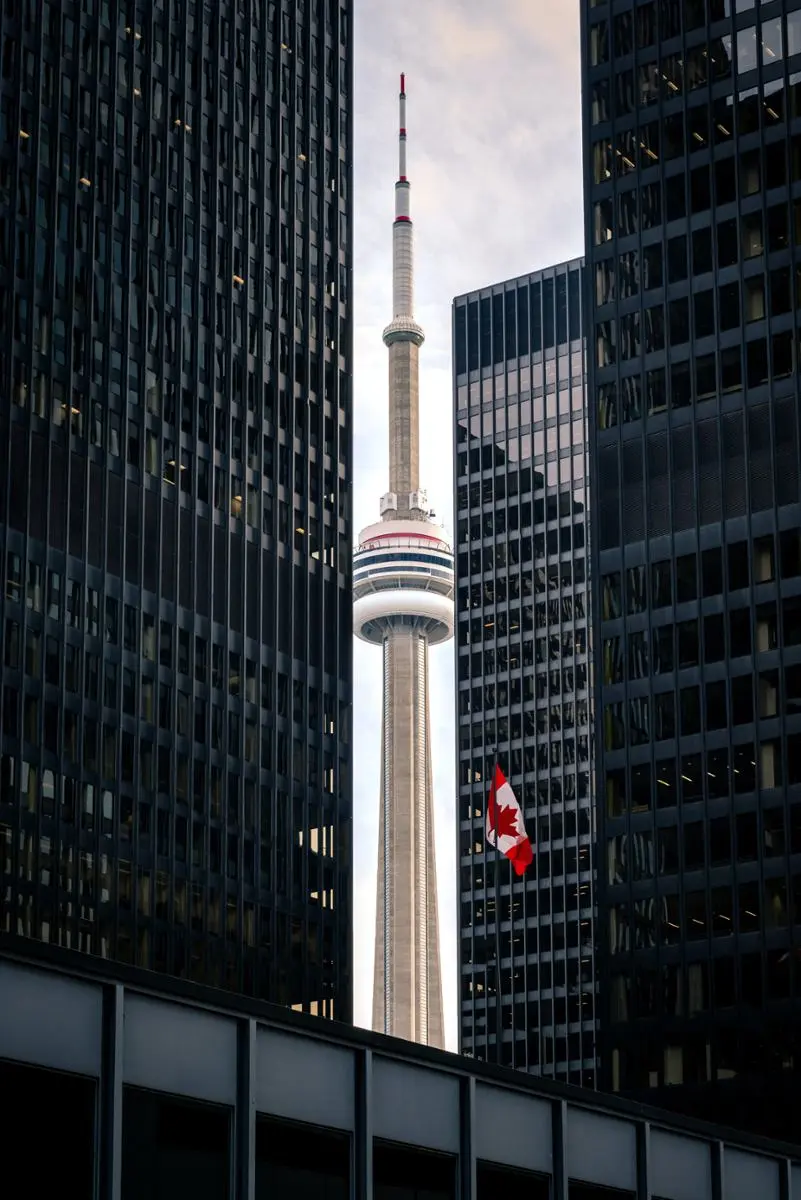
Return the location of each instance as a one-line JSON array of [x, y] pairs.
[[523, 682], [175, 398], [692, 126]]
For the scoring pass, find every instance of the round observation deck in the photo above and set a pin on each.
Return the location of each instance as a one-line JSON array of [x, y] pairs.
[[403, 329], [403, 576]]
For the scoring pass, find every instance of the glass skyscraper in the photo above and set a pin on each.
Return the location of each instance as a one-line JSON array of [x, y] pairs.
[[522, 671], [175, 398], [692, 126]]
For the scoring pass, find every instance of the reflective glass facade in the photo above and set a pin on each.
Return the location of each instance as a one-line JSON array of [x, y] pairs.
[[522, 673], [692, 125], [175, 261]]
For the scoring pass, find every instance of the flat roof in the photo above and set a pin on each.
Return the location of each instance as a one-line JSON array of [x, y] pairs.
[[89, 981]]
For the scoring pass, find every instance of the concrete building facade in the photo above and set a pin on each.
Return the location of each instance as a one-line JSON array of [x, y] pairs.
[[403, 602], [152, 1087], [522, 672]]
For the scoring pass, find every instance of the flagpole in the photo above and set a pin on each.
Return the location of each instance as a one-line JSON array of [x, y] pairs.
[[520, 855], [498, 1005]]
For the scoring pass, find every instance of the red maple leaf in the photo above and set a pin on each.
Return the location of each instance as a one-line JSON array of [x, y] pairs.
[[503, 820]]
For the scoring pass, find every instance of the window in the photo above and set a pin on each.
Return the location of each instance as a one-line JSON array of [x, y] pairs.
[[749, 907], [403, 1173], [716, 711], [686, 578], [65, 1102], [165, 1139], [746, 50], [689, 711], [661, 584], [712, 572], [678, 322], [662, 658], [636, 590], [598, 43], [688, 651], [737, 561], [742, 698], [299, 1160], [494, 1181], [588, 1191], [611, 596], [702, 253]]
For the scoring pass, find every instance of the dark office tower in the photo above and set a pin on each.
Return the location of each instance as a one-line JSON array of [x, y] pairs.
[[693, 226], [522, 671], [175, 399]]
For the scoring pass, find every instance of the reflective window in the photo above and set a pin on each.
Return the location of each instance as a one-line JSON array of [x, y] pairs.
[[794, 33], [611, 596], [747, 50], [636, 590], [662, 657], [749, 906], [661, 584], [772, 45]]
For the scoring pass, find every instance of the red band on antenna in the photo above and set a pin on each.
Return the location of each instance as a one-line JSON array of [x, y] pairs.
[[403, 84]]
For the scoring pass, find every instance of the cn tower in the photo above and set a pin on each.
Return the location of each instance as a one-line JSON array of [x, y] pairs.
[[403, 602]]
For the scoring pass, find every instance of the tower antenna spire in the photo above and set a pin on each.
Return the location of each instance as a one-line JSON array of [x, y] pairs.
[[402, 130]]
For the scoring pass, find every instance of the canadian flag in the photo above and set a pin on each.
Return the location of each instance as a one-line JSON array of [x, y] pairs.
[[506, 829]]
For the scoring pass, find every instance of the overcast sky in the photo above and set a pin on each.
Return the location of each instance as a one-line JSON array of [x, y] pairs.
[[494, 159]]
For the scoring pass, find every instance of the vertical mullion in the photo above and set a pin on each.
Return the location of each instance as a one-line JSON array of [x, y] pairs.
[[109, 1138], [718, 1171], [362, 1176], [559, 1135], [467, 1125], [244, 1165], [643, 1136]]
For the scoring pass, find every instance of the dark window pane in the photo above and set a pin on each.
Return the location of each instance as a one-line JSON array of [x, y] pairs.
[[401, 1173], [494, 1182], [65, 1107], [712, 572], [173, 1150], [301, 1161], [589, 1191]]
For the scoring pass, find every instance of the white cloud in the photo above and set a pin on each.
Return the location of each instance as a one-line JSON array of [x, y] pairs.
[[495, 164]]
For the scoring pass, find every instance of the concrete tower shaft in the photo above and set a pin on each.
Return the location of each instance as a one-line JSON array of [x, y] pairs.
[[407, 988], [404, 430], [403, 602]]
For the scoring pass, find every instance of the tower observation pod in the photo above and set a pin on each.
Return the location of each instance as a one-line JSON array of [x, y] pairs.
[[403, 602]]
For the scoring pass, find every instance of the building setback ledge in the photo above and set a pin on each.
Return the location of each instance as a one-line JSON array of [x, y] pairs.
[[136, 1035]]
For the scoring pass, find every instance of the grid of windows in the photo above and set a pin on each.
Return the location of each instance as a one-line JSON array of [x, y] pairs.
[[522, 671], [692, 125], [175, 392]]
